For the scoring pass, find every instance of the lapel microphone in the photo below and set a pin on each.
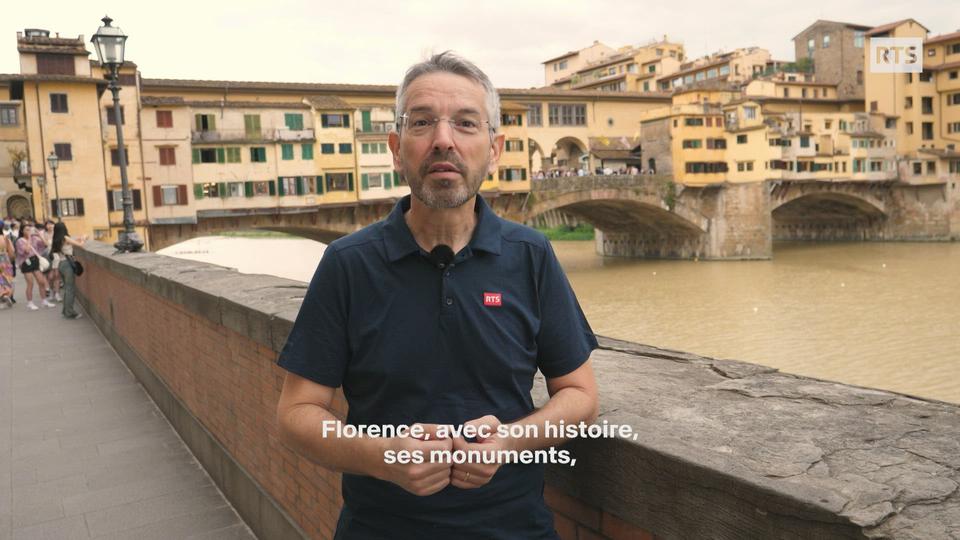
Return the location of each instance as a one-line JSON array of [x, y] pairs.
[[441, 256]]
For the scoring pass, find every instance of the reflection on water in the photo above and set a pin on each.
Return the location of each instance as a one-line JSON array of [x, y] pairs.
[[878, 315]]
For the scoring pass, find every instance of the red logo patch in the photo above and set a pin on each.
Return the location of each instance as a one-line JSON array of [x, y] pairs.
[[492, 299]]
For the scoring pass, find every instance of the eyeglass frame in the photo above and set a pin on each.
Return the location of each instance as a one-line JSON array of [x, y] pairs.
[[436, 120]]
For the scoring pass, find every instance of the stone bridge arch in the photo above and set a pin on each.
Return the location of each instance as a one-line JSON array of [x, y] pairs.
[[636, 215], [829, 210], [638, 200], [321, 224]]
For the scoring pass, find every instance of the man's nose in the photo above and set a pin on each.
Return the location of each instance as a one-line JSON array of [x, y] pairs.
[[442, 135]]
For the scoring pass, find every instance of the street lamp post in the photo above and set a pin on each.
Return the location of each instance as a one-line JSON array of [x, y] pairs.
[[54, 161], [109, 41]]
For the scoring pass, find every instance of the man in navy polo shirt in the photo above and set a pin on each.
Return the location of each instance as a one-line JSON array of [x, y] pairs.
[[441, 314]]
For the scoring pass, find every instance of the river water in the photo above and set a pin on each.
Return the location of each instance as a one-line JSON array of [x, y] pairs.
[[881, 315]]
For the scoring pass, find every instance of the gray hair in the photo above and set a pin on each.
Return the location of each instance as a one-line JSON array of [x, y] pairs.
[[449, 62]]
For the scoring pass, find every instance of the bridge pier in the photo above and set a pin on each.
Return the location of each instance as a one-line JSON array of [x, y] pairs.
[[735, 225]]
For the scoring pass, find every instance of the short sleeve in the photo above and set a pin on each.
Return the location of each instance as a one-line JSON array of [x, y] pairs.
[[317, 347], [565, 339]]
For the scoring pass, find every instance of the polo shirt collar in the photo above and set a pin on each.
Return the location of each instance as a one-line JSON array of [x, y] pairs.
[[399, 240]]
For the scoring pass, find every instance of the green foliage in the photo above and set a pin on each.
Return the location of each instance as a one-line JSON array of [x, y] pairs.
[[255, 234], [668, 193], [583, 231]]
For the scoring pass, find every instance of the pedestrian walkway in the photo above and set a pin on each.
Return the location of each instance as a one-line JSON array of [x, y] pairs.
[[84, 452]]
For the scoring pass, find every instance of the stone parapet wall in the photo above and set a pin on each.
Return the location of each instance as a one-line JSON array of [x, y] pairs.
[[726, 449]]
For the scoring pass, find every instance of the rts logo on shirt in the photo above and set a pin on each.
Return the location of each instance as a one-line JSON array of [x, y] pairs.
[[494, 299]]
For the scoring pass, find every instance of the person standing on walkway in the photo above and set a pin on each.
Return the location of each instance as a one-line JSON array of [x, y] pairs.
[[7, 256], [441, 314], [28, 260], [53, 274], [62, 250]]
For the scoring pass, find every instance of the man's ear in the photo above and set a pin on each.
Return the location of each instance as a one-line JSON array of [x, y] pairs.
[[496, 149], [393, 141]]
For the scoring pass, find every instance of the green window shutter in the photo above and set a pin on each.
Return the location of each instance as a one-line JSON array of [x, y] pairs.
[[346, 121], [323, 120], [386, 181], [198, 121], [306, 151], [396, 178], [364, 148], [221, 155], [350, 181], [222, 188], [321, 184], [364, 181], [299, 185], [293, 121], [365, 121], [523, 174], [196, 155], [248, 188], [286, 151], [281, 190], [273, 187], [198, 191]]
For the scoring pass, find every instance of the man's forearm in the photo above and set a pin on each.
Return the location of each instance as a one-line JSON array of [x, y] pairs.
[[571, 405], [302, 430]]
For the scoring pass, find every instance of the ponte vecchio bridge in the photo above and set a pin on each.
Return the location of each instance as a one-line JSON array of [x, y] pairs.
[[650, 216]]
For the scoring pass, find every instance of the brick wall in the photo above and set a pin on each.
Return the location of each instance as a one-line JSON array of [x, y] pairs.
[[228, 380]]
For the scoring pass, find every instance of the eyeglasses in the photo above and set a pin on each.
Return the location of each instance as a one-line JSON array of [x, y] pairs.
[[421, 124]]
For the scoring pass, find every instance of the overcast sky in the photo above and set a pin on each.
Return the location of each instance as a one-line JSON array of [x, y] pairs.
[[374, 41]]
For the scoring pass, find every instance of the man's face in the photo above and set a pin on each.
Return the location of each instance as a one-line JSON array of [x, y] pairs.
[[445, 166]]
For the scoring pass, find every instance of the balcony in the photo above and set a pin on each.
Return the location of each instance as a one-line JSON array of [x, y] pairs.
[[251, 136], [376, 127], [295, 135]]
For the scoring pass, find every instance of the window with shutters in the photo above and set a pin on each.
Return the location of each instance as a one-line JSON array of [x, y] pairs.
[[345, 148], [210, 189], [535, 114], [327, 148], [115, 200], [261, 188], [286, 151], [288, 185], [338, 181], [513, 173], [258, 154], [168, 155], [9, 115], [235, 189], [58, 103], [112, 118], [205, 122], [334, 120], [56, 64], [251, 126], [115, 156], [306, 151], [293, 121], [204, 155], [233, 154], [514, 145], [375, 180], [63, 151], [66, 207], [164, 119], [169, 195]]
